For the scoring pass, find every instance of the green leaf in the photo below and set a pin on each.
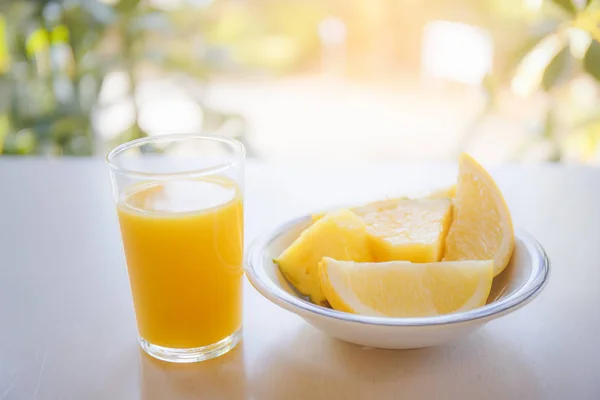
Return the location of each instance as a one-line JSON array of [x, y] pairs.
[[533, 37], [127, 6], [178, 63], [591, 61], [558, 70], [566, 5], [549, 129], [490, 85]]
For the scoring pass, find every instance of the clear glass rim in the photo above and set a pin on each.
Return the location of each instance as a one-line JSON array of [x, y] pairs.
[[239, 153]]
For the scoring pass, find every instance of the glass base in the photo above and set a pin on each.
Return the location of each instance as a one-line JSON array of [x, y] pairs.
[[192, 355]]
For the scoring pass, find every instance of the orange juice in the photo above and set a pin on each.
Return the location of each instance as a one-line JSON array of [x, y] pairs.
[[184, 245]]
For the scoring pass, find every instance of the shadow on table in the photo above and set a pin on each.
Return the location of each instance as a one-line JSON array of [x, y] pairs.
[[220, 378], [314, 366]]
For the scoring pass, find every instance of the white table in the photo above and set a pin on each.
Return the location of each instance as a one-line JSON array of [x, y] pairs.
[[67, 326]]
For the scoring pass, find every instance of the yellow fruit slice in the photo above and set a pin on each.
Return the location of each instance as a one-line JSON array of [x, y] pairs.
[[447, 192], [482, 228], [413, 230], [374, 206], [317, 216], [404, 289], [341, 235], [380, 205], [406, 229]]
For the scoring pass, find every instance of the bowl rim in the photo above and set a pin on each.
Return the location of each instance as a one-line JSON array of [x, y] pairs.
[[258, 277]]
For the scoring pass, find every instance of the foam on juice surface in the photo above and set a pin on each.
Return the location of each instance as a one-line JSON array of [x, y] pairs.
[[181, 196]]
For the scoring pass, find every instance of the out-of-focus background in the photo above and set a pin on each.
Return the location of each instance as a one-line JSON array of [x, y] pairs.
[[315, 80]]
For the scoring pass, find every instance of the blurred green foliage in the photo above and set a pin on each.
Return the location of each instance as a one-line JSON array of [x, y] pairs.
[[560, 46], [54, 58], [56, 54]]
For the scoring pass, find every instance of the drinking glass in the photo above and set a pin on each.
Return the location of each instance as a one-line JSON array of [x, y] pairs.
[[179, 200]]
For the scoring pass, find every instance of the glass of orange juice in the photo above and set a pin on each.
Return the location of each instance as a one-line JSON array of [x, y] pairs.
[[180, 206]]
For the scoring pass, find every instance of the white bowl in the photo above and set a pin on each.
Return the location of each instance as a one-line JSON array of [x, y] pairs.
[[517, 285]]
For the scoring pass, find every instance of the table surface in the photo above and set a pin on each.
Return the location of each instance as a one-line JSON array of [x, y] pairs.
[[67, 324]]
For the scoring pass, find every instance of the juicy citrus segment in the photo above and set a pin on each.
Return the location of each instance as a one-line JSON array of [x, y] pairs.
[[374, 206], [378, 206], [413, 230], [340, 234], [317, 216], [447, 192], [381, 205], [482, 228], [404, 289]]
